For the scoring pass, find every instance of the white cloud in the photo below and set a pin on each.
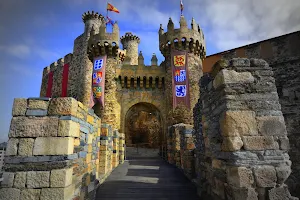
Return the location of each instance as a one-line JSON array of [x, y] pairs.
[[239, 22], [18, 50]]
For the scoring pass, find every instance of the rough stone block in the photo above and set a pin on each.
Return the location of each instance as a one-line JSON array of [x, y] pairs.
[[58, 193], [232, 144], [68, 128], [242, 194], [26, 146], [240, 176], [90, 119], [19, 107], [12, 147], [36, 112], [38, 179], [271, 125], [258, 142], [33, 127], [230, 76], [38, 104], [30, 194], [284, 143], [63, 106], [61, 177], [53, 146], [238, 123], [10, 194], [265, 176], [20, 180], [280, 193], [283, 172], [8, 179]]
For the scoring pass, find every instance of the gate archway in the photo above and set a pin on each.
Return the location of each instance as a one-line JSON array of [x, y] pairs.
[[143, 126]]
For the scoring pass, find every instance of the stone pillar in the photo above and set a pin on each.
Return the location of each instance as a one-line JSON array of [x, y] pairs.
[[187, 147], [243, 141], [121, 148], [115, 158], [105, 149]]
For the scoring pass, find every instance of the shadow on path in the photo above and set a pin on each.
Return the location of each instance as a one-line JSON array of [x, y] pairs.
[[146, 178]]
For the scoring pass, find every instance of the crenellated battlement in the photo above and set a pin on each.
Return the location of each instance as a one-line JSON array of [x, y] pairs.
[[129, 37], [55, 79], [98, 49], [182, 38], [91, 15]]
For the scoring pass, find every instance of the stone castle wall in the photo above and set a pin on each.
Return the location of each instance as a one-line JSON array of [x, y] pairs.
[[283, 55], [241, 138], [57, 149]]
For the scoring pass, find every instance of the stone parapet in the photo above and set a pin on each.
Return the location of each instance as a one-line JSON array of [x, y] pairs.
[[55, 150], [241, 138]]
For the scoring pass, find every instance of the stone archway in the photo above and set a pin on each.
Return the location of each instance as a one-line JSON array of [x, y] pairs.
[[143, 126]]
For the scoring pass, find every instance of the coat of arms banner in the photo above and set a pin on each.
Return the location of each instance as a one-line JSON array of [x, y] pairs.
[[180, 80], [98, 80]]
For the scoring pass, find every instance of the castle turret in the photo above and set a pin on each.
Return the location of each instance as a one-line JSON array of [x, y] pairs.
[[131, 42], [141, 59], [170, 25], [192, 42], [154, 60], [91, 19]]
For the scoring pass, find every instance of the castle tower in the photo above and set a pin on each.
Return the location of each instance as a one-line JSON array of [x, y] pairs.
[[80, 65], [191, 41], [92, 19], [131, 42], [107, 44]]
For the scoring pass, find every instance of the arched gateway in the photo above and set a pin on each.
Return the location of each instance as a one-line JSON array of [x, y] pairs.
[[144, 126]]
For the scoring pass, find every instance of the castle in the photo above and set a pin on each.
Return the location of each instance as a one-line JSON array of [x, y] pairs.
[[233, 140]]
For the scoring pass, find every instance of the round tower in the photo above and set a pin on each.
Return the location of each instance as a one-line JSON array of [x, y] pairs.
[[102, 44], [131, 42], [92, 19], [192, 41]]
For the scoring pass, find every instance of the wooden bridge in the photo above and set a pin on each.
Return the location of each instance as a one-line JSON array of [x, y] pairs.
[[144, 175]]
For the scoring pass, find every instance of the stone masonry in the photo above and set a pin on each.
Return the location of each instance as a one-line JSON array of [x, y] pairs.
[[241, 138], [57, 149], [283, 55]]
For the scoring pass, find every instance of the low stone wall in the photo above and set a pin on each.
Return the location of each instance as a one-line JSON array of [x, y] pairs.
[[181, 148], [241, 138], [55, 151]]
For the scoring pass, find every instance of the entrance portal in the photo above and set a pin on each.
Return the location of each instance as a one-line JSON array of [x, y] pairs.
[[143, 126]]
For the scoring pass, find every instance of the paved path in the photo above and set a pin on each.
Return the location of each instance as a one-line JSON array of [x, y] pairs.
[[146, 178]]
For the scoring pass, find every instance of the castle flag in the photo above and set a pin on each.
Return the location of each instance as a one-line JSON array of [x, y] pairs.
[[112, 8], [181, 6]]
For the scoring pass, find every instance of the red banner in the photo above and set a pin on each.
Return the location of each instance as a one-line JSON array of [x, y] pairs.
[[65, 80], [180, 79], [49, 85], [98, 80]]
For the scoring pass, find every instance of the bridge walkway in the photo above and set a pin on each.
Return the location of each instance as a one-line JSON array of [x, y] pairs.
[[146, 178]]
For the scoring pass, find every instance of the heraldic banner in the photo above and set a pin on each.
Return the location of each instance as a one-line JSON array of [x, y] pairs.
[[98, 83], [180, 80]]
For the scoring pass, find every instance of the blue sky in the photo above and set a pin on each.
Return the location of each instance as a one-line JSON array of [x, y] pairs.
[[35, 33]]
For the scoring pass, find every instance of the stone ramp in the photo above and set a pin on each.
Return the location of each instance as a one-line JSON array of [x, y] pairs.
[[147, 178]]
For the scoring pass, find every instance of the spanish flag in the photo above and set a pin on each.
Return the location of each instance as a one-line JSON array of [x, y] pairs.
[[112, 8]]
